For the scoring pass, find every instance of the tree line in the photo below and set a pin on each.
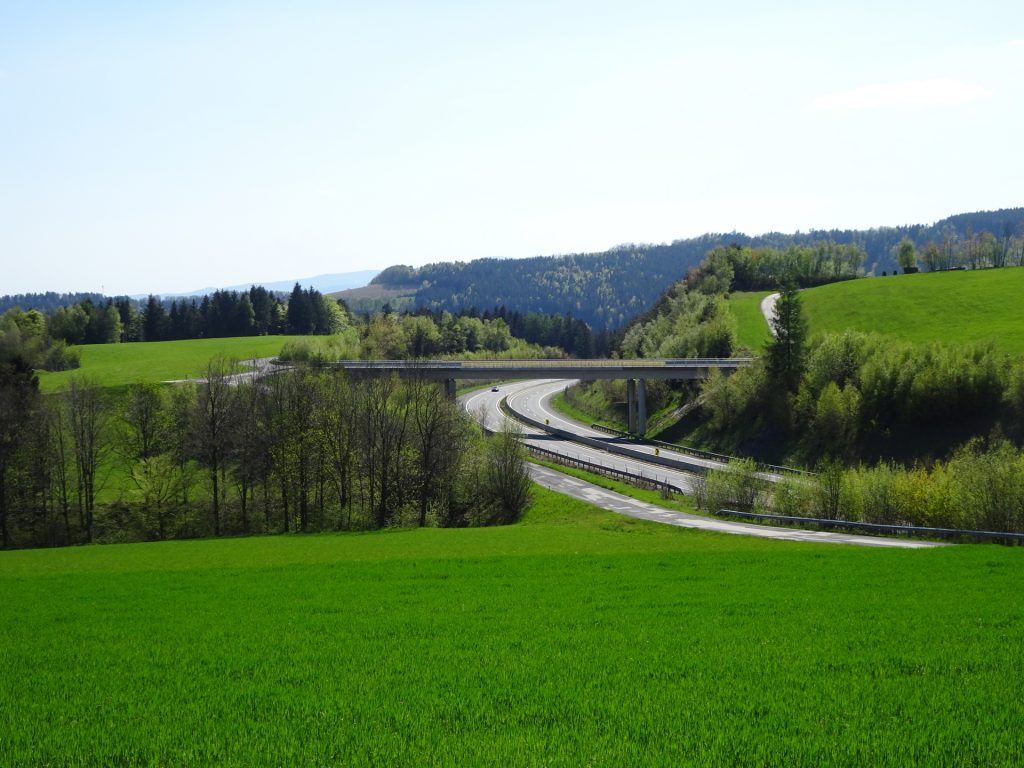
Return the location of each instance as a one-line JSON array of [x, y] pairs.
[[256, 312], [975, 250], [425, 333], [298, 451], [744, 268]]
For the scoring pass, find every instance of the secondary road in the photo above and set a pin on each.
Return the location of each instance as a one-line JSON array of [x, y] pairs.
[[768, 310], [533, 399]]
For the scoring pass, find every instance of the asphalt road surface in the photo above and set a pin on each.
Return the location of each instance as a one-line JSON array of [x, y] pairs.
[[533, 399]]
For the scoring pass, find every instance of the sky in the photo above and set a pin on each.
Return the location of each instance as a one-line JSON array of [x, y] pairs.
[[162, 147]]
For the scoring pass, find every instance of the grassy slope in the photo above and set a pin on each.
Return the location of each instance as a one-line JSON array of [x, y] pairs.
[[955, 307], [575, 638], [113, 365], [752, 330]]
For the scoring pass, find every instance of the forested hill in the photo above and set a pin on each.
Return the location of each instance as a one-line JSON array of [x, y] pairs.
[[610, 288], [47, 302]]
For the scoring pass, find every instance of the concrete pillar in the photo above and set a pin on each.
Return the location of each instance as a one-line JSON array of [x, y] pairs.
[[641, 407], [449, 389], [631, 405]]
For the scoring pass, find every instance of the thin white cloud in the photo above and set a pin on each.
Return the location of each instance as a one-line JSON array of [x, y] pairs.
[[1017, 42], [917, 93]]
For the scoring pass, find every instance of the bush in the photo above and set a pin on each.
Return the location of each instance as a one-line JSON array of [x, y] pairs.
[[319, 350], [738, 487], [826, 495], [792, 496]]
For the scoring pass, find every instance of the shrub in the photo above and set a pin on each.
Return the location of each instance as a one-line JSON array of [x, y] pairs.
[[738, 487], [792, 496]]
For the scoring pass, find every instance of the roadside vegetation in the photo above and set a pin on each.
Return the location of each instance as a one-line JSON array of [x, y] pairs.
[[981, 488]]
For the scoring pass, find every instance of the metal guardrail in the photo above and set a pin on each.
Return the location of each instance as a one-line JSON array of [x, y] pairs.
[[600, 469], [853, 525], [697, 453], [613, 448]]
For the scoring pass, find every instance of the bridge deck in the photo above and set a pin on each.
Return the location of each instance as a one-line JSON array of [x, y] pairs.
[[681, 368]]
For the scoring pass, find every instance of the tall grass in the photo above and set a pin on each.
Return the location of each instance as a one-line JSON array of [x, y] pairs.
[[575, 638]]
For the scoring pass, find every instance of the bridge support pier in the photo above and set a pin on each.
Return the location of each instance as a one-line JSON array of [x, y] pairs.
[[449, 389], [636, 399]]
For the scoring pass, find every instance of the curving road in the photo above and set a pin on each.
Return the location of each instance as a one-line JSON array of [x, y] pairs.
[[532, 398], [768, 310]]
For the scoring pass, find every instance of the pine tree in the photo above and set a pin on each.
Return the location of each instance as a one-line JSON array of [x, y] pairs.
[[786, 351]]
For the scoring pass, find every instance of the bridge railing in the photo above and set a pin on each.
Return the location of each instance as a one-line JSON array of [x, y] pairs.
[[543, 363]]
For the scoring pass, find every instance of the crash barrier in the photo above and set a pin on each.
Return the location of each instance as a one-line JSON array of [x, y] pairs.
[[698, 453], [603, 445], [651, 483], [851, 525]]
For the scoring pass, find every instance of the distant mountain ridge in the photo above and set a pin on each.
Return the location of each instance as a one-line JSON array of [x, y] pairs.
[[607, 289]]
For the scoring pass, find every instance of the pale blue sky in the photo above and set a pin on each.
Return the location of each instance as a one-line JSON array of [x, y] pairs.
[[168, 146]]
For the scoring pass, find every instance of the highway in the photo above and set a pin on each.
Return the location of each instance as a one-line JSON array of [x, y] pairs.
[[532, 398]]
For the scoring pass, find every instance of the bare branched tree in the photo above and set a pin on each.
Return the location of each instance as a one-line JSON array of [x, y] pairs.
[[87, 420]]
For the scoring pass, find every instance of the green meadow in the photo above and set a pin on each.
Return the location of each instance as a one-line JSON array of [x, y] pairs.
[[115, 365], [952, 307], [574, 638], [751, 327]]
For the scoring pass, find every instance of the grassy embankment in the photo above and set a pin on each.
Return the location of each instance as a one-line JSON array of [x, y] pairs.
[[751, 328], [577, 637], [117, 365], [951, 307]]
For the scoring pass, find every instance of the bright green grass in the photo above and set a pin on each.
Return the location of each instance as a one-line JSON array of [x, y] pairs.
[[576, 638], [751, 327], [953, 307], [113, 365]]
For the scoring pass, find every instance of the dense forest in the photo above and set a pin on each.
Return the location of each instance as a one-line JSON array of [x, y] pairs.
[[608, 289], [47, 302]]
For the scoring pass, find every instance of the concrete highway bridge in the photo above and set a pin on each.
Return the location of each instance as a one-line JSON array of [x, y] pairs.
[[635, 372]]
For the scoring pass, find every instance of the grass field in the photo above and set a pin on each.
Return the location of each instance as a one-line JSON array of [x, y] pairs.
[[575, 638], [752, 329], [114, 365], [954, 307]]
